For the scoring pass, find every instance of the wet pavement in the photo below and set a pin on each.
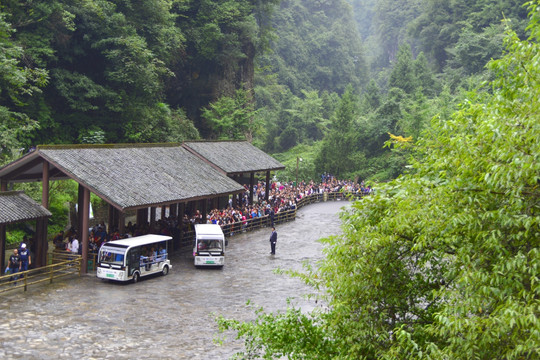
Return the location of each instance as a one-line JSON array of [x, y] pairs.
[[166, 317]]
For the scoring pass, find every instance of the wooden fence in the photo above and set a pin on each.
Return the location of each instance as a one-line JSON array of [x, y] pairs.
[[61, 264]]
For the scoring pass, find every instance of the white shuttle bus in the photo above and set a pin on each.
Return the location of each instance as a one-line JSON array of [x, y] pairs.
[[209, 249], [131, 258]]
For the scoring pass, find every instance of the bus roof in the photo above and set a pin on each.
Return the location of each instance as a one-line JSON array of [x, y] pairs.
[[138, 240], [208, 229]]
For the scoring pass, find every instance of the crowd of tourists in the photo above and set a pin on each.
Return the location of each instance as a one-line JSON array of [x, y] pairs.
[[281, 197]]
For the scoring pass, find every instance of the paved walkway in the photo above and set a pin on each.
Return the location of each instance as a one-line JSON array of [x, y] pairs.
[[165, 317]]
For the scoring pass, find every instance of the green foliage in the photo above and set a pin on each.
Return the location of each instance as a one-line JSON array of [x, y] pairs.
[[93, 135], [17, 84], [232, 118], [293, 120], [15, 234], [302, 156], [441, 263]]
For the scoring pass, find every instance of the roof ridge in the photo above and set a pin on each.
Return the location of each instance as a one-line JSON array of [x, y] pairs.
[[214, 141], [106, 146], [11, 192]]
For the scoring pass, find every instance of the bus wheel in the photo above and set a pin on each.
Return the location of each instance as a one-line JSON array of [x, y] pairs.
[[165, 270], [136, 277]]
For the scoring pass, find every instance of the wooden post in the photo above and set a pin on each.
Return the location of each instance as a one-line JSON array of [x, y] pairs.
[[204, 210], [83, 233], [163, 211], [80, 200], [3, 187], [45, 185], [152, 217], [251, 181], [121, 222], [267, 192], [181, 212], [239, 195], [111, 216], [39, 259], [142, 216], [173, 210]]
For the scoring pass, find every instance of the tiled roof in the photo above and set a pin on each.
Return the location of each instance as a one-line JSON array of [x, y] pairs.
[[234, 156], [15, 206], [139, 175]]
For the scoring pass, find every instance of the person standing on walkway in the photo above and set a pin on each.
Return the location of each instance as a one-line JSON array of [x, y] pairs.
[[273, 240], [14, 265], [24, 254]]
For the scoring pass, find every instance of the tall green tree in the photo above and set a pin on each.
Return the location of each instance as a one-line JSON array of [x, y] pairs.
[[403, 73], [441, 263], [337, 152]]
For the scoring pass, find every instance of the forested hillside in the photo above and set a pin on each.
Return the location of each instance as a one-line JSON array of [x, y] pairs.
[[327, 81]]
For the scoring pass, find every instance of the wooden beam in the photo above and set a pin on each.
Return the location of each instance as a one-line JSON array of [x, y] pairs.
[[14, 175], [2, 247], [267, 191]]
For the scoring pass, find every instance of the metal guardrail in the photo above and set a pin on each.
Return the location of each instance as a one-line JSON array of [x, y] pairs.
[[60, 265]]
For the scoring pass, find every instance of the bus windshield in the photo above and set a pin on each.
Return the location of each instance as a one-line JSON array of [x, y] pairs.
[[215, 245], [111, 256]]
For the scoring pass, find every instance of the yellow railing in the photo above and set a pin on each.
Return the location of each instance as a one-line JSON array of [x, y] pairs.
[[60, 266]]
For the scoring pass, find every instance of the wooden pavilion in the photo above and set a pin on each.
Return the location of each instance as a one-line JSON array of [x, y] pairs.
[[16, 207], [137, 177]]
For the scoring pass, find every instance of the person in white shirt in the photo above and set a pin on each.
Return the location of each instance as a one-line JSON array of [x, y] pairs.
[[75, 246]]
